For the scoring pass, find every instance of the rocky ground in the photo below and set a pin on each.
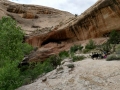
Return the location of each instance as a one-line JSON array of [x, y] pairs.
[[85, 75]]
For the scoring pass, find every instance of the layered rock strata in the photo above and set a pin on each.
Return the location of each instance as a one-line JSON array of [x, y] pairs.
[[32, 17], [97, 21]]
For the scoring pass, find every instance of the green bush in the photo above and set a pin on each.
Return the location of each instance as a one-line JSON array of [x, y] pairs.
[[86, 50], [74, 48], [114, 39], [113, 57], [10, 76], [27, 48], [55, 61], [31, 74], [90, 45], [63, 54], [118, 51], [106, 47], [11, 53], [80, 47], [78, 58], [11, 37], [118, 46]]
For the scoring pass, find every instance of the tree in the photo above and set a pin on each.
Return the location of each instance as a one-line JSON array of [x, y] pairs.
[[11, 37], [76, 15], [11, 52], [114, 38]]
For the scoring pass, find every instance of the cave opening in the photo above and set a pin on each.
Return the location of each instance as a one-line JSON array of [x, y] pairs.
[[53, 41]]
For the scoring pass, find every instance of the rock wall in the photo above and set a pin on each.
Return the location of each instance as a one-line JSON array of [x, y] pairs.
[[30, 11], [28, 16], [101, 18]]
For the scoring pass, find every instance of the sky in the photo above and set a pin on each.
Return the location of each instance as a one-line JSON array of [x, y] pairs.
[[72, 6]]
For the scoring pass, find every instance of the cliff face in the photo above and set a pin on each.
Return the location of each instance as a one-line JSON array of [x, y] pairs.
[[45, 25], [97, 21], [33, 17]]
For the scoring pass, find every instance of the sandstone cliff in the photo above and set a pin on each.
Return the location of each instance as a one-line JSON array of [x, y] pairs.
[[97, 21], [55, 29], [33, 17]]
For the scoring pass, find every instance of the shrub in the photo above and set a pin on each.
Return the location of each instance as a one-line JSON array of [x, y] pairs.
[[78, 58], [80, 47], [11, 37], [71, 54], [63, 54], [106, 47], [118, 51], [74, 48], [54, 61], [90, 45], [11, 52], [86, 50], [118, 46], [27, 48], [114, 39], [113, 57], [10, 76]]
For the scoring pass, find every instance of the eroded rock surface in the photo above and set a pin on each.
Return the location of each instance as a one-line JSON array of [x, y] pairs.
[[97, 21], [44, 25], [86, 75], [33, 17]]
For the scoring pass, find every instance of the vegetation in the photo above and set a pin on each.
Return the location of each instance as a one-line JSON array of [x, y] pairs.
[[11, 37], [86, 50], [110, 46], [12, 51], [75, 48], [55, 60], [118, 49], [113, 57], [76, 15], [90, 45], [106, 47], [27, 48], [63, 54], [114, 39], [78, 58]]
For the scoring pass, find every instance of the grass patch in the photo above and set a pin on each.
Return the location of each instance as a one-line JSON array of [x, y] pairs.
[[78, 58]]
